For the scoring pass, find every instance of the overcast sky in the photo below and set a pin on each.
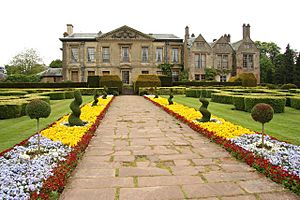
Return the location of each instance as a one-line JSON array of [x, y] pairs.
[[39, 24]]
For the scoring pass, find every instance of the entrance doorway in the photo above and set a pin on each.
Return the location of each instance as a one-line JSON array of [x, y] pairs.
[[125, 77]]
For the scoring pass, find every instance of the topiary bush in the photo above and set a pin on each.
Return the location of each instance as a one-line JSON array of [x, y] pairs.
[[93, 81], [69, 94], [295, 102], [262, 113], [248, 79], [238, 102], [57, 95], [277, 103], [224, 98], [10, 110], [37, 109], [170, 99], [105, 91], [203, 110], [149, 80], [111, 81], [288, 86], [96, 96], [166, 81], [74, 118]]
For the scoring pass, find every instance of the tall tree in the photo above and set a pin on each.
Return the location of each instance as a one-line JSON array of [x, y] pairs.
[[297, 71], [279, 69], [56, 63], [266, 69], [289, 62], [26, 62], [270, 49]]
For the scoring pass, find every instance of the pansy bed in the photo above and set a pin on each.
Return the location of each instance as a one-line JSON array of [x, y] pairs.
[[280, 162], [24, 175]]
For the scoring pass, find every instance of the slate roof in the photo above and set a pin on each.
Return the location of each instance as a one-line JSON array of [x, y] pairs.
[[164, 36], [51, 72]]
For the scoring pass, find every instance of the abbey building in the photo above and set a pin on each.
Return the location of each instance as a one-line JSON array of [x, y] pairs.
[[127, 52]]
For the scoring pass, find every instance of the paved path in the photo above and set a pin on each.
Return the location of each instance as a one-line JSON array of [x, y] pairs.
[[141, 152]]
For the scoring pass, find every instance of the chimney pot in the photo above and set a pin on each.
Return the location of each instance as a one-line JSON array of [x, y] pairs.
[[69, 29], [187, 33]]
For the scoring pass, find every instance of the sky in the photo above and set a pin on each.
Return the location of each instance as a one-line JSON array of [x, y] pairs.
[[39, 24]]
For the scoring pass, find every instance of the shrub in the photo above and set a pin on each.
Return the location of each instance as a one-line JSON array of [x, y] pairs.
[[44, 85], [234, 79], [205, 83], [238, 102], [203, 110], [248, 79], [13, 93], [149, 80], [93, 81], [166, 81], [224, 98], [111, 81], [23, 78], [295, 102], [96, 96], [74, 118], [271, 86], [288, 86], [10, 110], [192, 93], [69, 94], [277, 103], [57, 95]]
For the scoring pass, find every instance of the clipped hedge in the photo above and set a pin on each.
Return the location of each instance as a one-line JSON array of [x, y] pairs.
[[13, 93], [166, 81], [69, 94], [295, 102], [93, 81], [111, 81], [90, 91], [192, 93], [238, 102], [146, 80], [10, 109], [277, 103], [44, 85], [196, 93], [206, 83], [57, 95], [224, 98], [248, 79], [288, 86]]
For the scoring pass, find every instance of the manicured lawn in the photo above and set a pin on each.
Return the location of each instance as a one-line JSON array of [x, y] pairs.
[[284, 126], [13, 131]]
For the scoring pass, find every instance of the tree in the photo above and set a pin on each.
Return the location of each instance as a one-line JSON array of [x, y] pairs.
[[270, 49], [56, 63], [26, 62], [166, 69], [297, 71], [279, 69], [289, 62], [266, 69], [210, 74]]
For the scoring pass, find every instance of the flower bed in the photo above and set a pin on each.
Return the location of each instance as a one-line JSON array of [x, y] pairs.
[[280, 163], [24, 175]]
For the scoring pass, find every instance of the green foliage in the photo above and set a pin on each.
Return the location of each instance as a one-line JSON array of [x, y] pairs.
[[38, 109], [222, 98], [23, 78], [13, 93], [111, 81], [166, 69], [56, 63], [74, 118], [271, 86], [166, 81], [57, 95], [277, 103], [269, 49], [248, 79], [96, 96], [149, 80], [44, 85], [238, 102], [262, 113], [205, 93], [288, 86], [10, 110], [210, 74], [266, 69], [69, 94], [207, 83], [203, 110], [93, 81], [297, 71], [295, 102], [184, 75], [105, 91], [170, 99]]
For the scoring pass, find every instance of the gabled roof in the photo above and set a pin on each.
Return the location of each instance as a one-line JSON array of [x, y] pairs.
[[51, 72]]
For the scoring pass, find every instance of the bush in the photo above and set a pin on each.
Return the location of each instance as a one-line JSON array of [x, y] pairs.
[[23, 78], [166, 81], [13, 93], [295, 102], [288, 86], [93, 81], [238, 102], [271, 86], [111, 81], [44, 85], [57, 95], [207, 83], [149, 80], [248, 79], [74, 118], [69, 94], [277, 103], [10, 110], [38, 109], [222, 98], [234, 79]]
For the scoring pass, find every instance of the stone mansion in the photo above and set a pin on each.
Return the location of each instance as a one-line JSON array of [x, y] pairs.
[[127, 52]]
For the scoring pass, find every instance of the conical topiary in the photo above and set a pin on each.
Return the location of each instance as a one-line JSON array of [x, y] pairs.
[[203, 110], [96, 96], [74, 118]]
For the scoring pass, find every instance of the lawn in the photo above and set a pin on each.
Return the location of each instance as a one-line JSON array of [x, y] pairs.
[[13, 131], [284, 126]]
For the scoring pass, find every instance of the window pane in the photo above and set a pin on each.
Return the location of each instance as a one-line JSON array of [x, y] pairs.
[[125, 54], [174, 55], [203, 60], [91, 54], [197, 77], [145, 72], [159, 54], [105, 54], [197, 61], [105, 72], [219, 61], [74, 54], [225, 61], [145, 54]]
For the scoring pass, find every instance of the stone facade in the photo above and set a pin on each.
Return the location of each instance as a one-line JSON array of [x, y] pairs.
[[127, 52]]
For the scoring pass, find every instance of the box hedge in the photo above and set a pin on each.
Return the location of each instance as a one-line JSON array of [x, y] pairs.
[[57, 95], [111, 81], [10, 109], [69, 94], [224, 98], [295, 102], [44, 85], [13, 93], [205, 83], [146, 80], [278, 103], [248, 79], [93, 81], [238, 102], [166, 81]]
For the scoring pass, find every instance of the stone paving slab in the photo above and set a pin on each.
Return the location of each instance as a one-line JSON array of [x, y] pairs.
[[141, 152]]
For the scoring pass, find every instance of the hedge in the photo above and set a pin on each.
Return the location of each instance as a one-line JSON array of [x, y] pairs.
[[222, 98], [10, 109], [149, 80], [13, 93], [111, 81], [165, 81], [93, 81], [192, 93], [57, 95], [295, 102], [44, 85], [201, 83], [278, 103], [289, 86], [69, 94], [238, 102]]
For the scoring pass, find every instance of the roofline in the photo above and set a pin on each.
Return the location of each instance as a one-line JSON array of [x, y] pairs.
[[77, 39]]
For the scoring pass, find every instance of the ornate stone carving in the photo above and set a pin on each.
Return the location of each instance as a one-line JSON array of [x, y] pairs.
[[125, 34]]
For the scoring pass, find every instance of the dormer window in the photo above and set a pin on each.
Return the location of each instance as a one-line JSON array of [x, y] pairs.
[[247, 46]]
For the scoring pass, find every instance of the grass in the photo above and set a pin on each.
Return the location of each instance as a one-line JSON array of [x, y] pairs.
[[13, 131], [284, 126]]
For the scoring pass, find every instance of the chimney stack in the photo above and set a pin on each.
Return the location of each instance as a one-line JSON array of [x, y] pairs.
[[227, 37], [69, 29], [246, 31], [187, 34]]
